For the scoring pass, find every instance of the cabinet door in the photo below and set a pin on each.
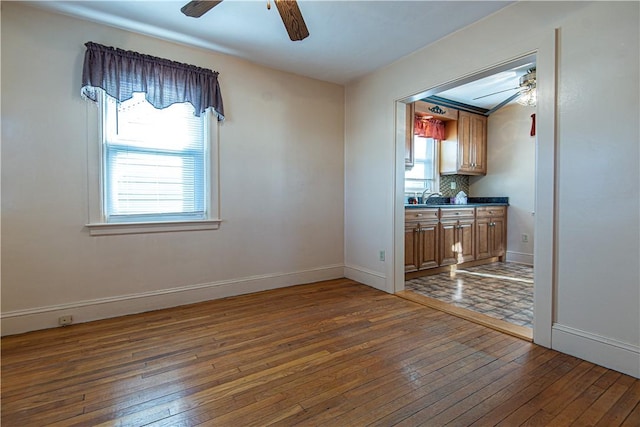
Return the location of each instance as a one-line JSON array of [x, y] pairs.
[[448, 242], [428, 245], [464, 142], [478, 144], [410, 247], [483, 245], [466, 240], [498, 236], [408, 142]]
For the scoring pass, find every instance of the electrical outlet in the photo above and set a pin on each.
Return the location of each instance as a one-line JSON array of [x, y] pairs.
[[65, 320], [453, 185], [525, 238], [381, 255]]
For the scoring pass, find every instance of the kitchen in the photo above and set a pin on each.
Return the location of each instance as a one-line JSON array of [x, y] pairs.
[[469, 199]]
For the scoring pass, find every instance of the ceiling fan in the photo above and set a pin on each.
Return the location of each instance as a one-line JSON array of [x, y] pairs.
[[288, 9], [525, 95]]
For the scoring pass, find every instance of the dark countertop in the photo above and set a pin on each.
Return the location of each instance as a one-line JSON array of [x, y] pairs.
[[444, 202]]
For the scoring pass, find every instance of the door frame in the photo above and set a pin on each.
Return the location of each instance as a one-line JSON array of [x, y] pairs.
[[545, 181]]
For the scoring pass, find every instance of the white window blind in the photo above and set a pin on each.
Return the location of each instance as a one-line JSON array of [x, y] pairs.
[[154, 162]]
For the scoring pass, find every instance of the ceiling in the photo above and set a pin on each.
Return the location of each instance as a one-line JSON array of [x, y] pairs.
[[348, 38], [489, 92]]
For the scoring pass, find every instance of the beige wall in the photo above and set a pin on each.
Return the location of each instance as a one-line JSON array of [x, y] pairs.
[[511, 173], [587, 297], [281, 184]]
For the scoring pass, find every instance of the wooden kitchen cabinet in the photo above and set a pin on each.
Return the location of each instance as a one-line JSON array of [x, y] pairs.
[[435, 238], [421, 239], [408, 141], [468, 154], [491, 232], [457, 236]]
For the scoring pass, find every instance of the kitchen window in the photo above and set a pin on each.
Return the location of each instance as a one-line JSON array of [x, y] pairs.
[[424, 174]]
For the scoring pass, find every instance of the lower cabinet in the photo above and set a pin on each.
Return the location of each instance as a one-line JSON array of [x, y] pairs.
[[436, 237], [421, 239], [457, 236], [491, 228]]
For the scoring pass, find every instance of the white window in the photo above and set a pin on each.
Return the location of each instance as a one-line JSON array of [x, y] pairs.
[[158, 168], [424, 174]]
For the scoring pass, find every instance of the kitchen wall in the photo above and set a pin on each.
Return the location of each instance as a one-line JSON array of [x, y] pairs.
[[511, 173], [587, 296], [461, 184], [281, 184]]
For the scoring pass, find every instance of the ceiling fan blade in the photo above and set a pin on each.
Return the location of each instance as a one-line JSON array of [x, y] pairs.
[[197, 8], [495, 93], [292, 19]]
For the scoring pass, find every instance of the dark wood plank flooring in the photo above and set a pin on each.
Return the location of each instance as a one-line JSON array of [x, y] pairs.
[[333, 353]]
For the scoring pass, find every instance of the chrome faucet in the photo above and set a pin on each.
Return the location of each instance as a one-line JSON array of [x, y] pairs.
[[424, 201]]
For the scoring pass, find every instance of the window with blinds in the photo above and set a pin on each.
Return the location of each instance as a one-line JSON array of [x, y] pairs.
[[155, 162], [424, 174]]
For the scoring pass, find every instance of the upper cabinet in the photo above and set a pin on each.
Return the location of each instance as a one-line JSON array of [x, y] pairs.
[[466, 154], [408, 140]]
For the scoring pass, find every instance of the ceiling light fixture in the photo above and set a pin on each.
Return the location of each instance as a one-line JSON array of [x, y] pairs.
[[528, 93]]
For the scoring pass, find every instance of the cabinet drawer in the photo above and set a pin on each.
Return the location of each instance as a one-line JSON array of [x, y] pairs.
[[457, 213], [490, 211], [416, 215]]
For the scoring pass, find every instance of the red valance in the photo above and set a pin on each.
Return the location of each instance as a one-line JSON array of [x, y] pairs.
[[428, 128]]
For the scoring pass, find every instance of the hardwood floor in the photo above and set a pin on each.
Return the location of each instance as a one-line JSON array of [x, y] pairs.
[[333, 353]]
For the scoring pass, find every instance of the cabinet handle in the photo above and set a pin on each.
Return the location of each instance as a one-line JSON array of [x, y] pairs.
[[418, 214], [457, 213]]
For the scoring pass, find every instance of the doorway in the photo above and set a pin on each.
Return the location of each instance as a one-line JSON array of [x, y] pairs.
[[501, 291]]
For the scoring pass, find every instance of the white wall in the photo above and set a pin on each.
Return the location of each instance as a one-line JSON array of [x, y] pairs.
[[591, 273], [281, 195], [511, 173]]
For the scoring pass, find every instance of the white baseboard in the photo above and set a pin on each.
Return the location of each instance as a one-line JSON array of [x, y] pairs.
[[520, 257], [366, 276], [607, 352], [19, 321]]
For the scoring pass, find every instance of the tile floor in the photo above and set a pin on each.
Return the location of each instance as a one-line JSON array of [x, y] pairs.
[[500, 290]]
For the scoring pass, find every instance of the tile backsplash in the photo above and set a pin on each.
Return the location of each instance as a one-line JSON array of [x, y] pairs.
[[462, 184]]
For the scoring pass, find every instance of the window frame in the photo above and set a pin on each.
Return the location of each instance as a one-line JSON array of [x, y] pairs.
[[98, 225], [436, 170]]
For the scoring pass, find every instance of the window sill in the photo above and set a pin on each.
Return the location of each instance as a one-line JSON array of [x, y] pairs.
[[107, 229]]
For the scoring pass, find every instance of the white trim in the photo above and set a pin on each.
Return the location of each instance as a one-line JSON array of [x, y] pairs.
[[545, 246], [19, 321], [398, 215], [107, 229], [366, 276], [520, 257], [607, 352]]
